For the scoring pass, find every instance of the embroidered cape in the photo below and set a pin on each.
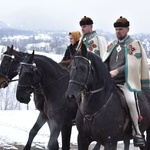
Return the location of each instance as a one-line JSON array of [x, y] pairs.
[[136, 67], [94, 43]]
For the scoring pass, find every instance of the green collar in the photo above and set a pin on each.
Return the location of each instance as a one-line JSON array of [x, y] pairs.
[[88, 37]]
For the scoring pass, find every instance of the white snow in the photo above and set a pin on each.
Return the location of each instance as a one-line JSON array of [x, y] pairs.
[[16, 124]]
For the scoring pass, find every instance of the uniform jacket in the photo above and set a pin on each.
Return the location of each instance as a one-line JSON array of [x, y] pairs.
[[136, 67], [94, 43]]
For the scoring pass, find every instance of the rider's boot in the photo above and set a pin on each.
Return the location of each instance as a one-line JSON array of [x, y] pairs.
[[138, 139]]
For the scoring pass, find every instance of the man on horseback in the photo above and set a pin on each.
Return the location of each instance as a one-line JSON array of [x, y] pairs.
[[94, 43], [127, 62]]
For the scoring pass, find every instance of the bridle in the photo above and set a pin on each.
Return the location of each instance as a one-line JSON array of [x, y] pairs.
[[84, 85], [31, 87], [6, 75]]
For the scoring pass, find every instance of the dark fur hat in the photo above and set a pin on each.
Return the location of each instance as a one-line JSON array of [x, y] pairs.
[[121, 22], [86, 21]]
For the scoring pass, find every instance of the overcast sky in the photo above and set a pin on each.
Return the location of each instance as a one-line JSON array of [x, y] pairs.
[[66, 14]]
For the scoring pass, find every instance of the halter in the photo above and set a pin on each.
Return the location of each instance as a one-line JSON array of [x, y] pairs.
[[90, 68], [9, 67], [32, 87]]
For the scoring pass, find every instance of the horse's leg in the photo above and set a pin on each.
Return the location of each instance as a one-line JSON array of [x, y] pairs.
[[37, 126], [126, 144], [97, 146], [148, 138], [110, 146], [147, 142], [54, 133], [66, 134], [83, 143]]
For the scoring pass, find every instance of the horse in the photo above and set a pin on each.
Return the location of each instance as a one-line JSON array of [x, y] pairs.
[[101, 115], [48, 76], [8, 70]]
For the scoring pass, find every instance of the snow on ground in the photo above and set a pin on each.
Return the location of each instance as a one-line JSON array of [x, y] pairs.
[[16, 124]]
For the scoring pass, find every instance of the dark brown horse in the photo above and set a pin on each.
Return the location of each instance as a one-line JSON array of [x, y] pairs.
[[8, 70], [101, 116]]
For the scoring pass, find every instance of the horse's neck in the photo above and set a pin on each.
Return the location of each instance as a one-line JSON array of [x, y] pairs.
[[102, 91], [52, 76], [19, 55]]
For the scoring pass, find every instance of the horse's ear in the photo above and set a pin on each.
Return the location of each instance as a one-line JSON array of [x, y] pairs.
[[83, 50], [10, 49], [31, 58], [32, 55]]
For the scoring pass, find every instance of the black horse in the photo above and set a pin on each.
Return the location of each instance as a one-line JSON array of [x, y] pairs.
[[8, 70], [53, 81], [101, 116]]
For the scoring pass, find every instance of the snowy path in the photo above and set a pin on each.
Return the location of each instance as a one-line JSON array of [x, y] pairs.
[[15, 126]]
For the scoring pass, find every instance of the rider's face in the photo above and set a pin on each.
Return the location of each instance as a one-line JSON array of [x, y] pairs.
[[121, 32], [72, 40], [86, 29]]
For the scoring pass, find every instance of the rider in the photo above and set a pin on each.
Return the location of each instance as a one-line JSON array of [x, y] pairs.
[[71, 49], [95, 43], [127, 62]]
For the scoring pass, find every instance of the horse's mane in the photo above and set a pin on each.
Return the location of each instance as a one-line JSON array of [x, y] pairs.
[[45, 61]]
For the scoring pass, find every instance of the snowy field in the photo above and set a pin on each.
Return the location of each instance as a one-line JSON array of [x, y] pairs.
[[16, 124]]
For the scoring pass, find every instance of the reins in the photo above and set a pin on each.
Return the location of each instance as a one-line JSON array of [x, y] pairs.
[[54, 81], [84, 114], [89, 117], [41, 86], [85, 84]]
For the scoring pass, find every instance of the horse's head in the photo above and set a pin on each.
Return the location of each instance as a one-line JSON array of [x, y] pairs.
[[27, 79], [88, 75], [81, 75], [9, 65]]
